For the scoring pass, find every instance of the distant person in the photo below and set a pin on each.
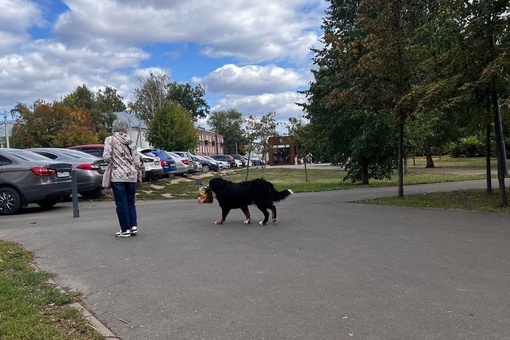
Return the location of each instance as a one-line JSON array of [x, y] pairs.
[[120, 150]]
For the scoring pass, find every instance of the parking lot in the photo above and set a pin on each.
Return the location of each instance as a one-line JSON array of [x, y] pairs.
[[329, 269]]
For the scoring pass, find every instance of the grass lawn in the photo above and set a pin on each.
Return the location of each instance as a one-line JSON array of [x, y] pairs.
[[32, 308], [285, 177]]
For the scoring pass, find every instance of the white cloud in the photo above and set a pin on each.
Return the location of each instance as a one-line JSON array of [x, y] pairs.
[[251, 30], [109, 43], [251, 79], [283, 104]]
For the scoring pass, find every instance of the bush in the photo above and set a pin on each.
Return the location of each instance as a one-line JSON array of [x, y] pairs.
[[468, 147]]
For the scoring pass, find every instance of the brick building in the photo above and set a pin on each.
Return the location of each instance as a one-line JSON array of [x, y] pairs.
[[210, 143]]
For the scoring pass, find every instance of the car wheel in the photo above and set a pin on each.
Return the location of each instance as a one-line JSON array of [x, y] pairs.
[[205, 168], [10, 201], [48, 204]]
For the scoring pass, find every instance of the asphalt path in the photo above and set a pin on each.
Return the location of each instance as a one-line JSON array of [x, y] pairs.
[[329, 269]]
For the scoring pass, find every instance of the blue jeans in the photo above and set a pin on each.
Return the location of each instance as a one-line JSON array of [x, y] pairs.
[[124, 195]]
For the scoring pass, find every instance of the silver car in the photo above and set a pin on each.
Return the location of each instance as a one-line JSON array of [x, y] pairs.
[[26, 177], [182, 163], [194, 166], [89, 168]]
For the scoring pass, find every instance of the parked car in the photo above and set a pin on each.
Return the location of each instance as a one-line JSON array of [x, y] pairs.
[[255, 160], [182, 163], [239, 159], [220, 165], [207, 164], [89, 168], [167, 162], [227, 160], [93, 149], [195, 166], [151, 164], [26, 177]]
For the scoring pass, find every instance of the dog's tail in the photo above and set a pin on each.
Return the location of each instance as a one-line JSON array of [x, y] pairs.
[[280, 195]]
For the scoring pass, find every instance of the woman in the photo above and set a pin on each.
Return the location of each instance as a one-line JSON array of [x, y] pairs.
[[120, 151]]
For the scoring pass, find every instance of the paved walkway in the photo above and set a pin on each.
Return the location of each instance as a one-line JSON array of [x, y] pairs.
[[329, 269]]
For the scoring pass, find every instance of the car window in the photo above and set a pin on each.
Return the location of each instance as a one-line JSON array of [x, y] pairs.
[[46, 154], [27, 155], [76, 154], [5, 161]]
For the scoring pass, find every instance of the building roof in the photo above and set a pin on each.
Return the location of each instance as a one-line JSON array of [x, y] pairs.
[[134, 122]]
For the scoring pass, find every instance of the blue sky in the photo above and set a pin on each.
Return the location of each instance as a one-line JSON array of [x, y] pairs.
[[249, 55]]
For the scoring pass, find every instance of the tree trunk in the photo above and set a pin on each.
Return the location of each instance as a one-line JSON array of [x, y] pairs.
[[401, 155], [500, 149], [364, 174], [428, 155], [488, 172]]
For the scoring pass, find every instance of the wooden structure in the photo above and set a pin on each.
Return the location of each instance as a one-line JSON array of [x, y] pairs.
[[282, 150]]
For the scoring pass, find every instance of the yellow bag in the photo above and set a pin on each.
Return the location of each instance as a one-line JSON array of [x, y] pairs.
[[205, 195]]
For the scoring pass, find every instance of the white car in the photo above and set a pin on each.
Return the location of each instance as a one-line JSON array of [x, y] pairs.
[[152, 165]]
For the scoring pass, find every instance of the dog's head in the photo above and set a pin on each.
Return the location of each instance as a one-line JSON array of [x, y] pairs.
[[216, 184]]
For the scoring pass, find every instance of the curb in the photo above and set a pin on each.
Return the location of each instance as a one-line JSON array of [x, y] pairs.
[[95, 323]]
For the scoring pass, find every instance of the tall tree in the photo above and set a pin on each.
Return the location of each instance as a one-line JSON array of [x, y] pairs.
[[488, 39], [108, 101], [260, 129], [229, 124], [172, 128], [342, 88], [149, 96], [191, 98], [82, 96]]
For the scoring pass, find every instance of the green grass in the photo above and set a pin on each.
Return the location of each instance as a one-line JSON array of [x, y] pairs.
[[30, 306], [283, 178], [471, 200]]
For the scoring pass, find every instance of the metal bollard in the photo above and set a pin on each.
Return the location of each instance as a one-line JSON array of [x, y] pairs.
[[74, 192]]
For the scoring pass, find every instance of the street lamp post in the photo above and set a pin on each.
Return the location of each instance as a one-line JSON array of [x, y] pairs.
[[5, 127]]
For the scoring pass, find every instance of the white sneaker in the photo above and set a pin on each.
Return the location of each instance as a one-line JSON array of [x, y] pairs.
[[121, 233], [134, 230]]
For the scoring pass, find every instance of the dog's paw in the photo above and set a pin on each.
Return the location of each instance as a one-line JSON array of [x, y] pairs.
[[262, 223], [218, 222], [247, 221], [275, 220]]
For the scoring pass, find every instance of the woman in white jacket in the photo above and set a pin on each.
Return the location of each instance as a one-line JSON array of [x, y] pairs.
[[120, 150]]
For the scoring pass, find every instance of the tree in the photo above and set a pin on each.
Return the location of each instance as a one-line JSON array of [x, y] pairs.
[[52, 125], [101, 106], [335, 100], [191, 98], [81, 97], [108, 101], [150, 95], [260, 130], [229, 124], [172, 128], [303, 136]]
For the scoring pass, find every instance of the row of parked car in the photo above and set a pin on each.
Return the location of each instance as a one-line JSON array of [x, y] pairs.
[[43, 175]]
